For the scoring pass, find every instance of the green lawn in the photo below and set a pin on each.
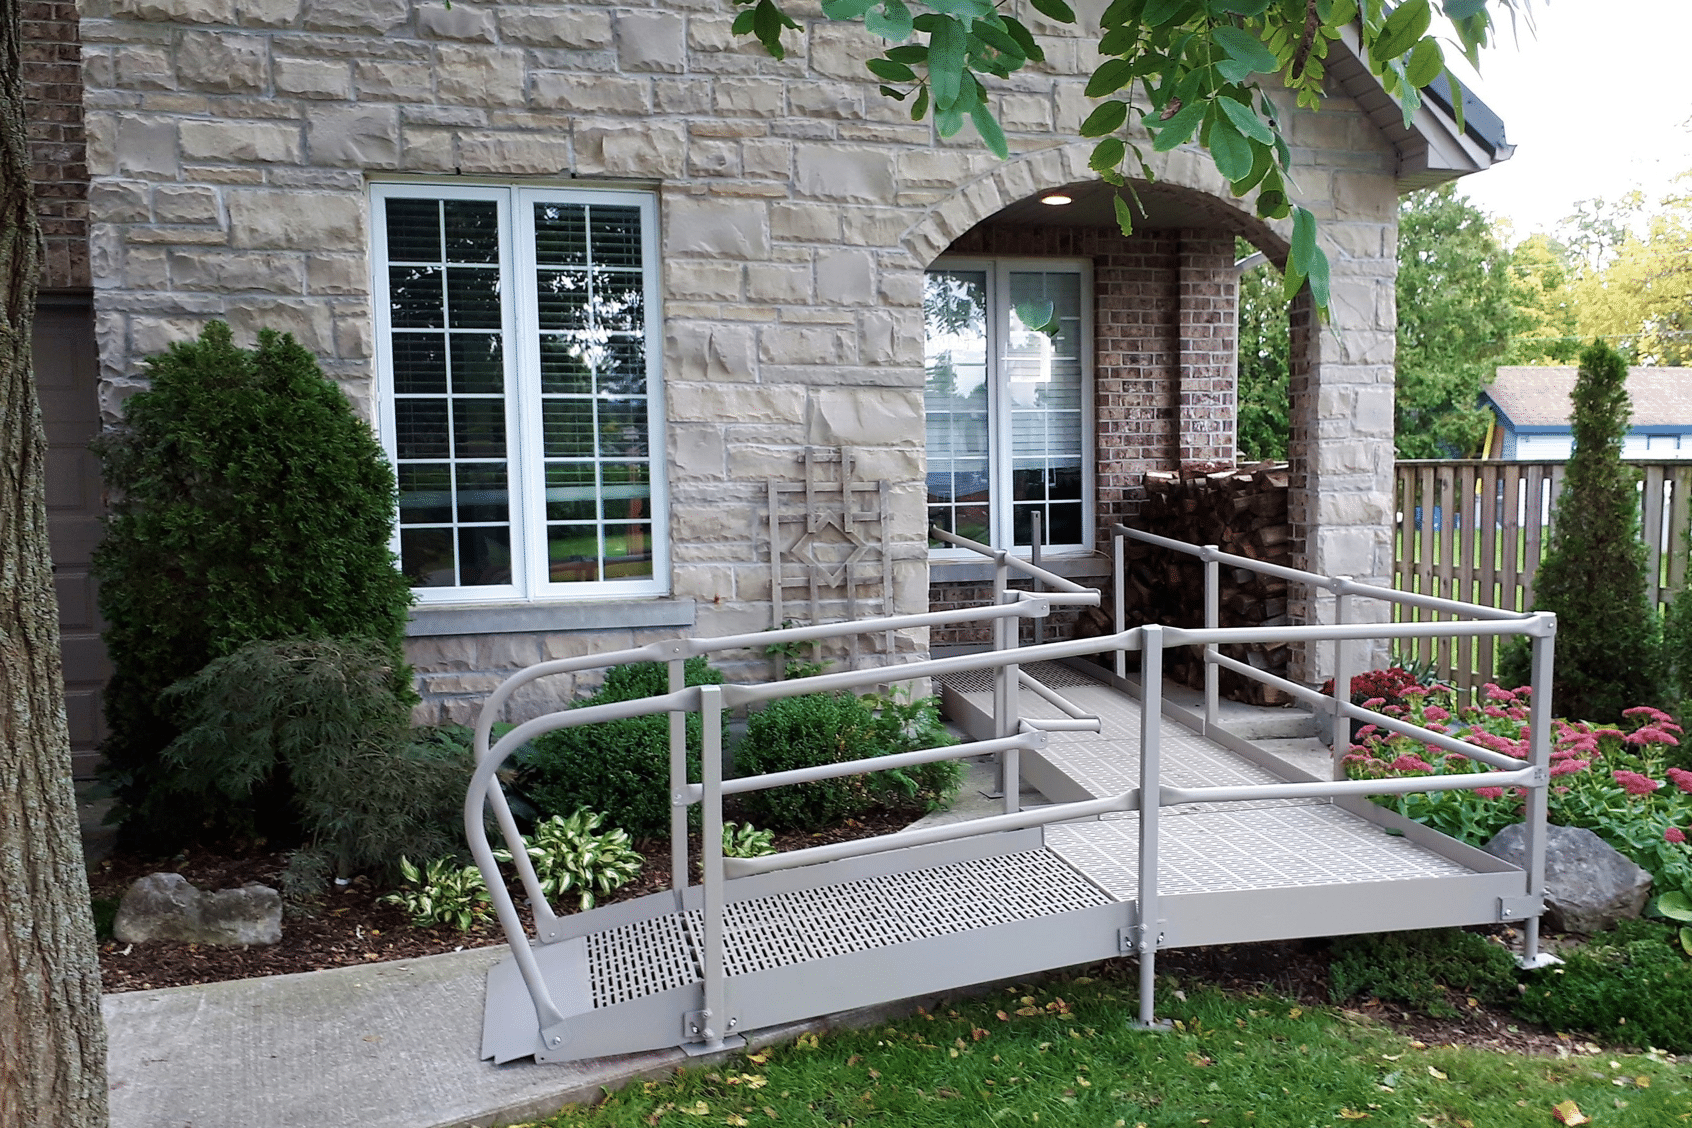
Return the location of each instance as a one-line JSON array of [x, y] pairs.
[[1063, 1055]]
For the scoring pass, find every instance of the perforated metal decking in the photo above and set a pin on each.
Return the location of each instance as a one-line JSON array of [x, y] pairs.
[[852, 933]]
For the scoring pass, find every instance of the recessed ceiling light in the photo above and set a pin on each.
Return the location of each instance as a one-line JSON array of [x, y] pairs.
[[1056, 200]]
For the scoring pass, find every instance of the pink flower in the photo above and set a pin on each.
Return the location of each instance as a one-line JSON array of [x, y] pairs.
[[1516, 713], [1494, 711], [1497, 693], [1569, 767], [1490, 792], [1413, 691], [1652, 716], [1681, 778], [1435, 713], [1393, 710], [1409, 763], [1675, 834], [1367, 730], [1603, 732], [1374, 703], [1650, 734], [1634, 783], [1435, 726]]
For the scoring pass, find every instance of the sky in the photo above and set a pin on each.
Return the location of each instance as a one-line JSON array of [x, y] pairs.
[[1596, 101]]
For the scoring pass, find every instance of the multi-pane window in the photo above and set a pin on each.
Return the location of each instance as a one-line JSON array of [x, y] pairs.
[[1008, 427], [520, 389]]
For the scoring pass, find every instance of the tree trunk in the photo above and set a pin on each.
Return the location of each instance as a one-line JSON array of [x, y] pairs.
[[52, 1039]]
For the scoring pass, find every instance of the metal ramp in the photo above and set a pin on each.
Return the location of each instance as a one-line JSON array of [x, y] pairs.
[[1160, 835]]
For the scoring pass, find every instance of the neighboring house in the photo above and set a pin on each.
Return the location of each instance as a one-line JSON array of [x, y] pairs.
[[609, 280], [1532, 408]]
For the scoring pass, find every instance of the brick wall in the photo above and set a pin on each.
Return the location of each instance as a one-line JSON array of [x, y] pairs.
[[52, 76]]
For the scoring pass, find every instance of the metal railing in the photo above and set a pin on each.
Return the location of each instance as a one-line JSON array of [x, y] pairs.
[[1012, 735]]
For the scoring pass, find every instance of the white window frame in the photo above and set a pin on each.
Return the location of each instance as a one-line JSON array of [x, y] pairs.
[[1000, 475], [531, 577]]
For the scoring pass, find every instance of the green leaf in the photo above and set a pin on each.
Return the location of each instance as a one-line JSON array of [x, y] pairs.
[[1107, 117], [989, 130], [891, 21], [1463, 9], [743, 23], [1124, 217], [1291, 283], [1024, 39], [1408, 23], [1038, 316], [1319, 278], [1303, 241], [1426, 63], [946, 47], [909, 53], [766, 25], [1410, 100], [846, 9], [1055, 10], [1107, 154], [1122, 13], [1178, 129], [919, 108], [1247, 8], [1676, 906], [1161, 12], [1455, 90], [1000, 41], [896, 95], [891, 71], [1271, 204], [1112, 75], [1245, 119], [949, 120], [1246, 48], [1230, 150], [1686, 940]]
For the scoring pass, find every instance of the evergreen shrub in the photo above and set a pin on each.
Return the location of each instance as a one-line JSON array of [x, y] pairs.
[[823, 728], [619, 768], [249, 502], [306, 739], [1609, 639]]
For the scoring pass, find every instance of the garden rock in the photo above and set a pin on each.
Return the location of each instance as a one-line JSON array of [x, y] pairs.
[[166, 906], [1589, 886]]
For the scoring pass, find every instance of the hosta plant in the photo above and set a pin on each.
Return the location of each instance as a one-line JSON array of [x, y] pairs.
[[442, 892], [1676, 904], [571, 856], [743, 840]]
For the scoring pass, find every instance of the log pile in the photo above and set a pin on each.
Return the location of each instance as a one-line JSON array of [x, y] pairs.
[[1242, 511]]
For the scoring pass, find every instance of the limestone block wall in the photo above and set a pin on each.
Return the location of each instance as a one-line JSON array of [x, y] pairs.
[[231, 143]]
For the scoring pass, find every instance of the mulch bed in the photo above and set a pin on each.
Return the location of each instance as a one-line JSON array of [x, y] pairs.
[[353, 926]]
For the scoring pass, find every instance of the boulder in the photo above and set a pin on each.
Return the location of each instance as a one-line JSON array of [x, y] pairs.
[[1589, 885], [166, 906]]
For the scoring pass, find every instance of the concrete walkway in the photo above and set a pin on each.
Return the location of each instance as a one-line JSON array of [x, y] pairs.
[[390, 1045]]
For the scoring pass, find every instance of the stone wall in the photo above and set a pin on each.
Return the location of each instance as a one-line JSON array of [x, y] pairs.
[[230, 143], [52, 81]]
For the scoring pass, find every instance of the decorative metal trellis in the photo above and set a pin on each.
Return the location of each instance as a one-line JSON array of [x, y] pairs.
[[827, 541]]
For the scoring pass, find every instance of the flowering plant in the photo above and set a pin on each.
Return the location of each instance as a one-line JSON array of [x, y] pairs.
[[1388, 685], [1616, 782]]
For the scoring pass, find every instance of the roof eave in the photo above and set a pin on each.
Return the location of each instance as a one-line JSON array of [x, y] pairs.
[[1432, 150]]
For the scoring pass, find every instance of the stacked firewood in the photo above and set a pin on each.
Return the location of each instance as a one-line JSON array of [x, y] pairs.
[[1242, 511]]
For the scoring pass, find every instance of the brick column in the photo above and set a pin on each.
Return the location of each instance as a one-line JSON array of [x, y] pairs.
[[1207, 327], [52, 77]]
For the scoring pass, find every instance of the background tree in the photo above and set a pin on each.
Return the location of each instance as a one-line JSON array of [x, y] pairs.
[[1593, 571], [1264, 402], [1456, 317], [1641, 299], [52, 1040], [1547, 322]]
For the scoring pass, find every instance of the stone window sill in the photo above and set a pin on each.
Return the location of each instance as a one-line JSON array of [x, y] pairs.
[[544, 618], [1094, 566]]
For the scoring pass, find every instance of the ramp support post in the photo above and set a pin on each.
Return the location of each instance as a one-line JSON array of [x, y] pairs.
[[678, 785], [1117, 558], [1006, 682], [1539, 795], [1212, 621], [711, 1030], [1342, 681], [1151, 723]]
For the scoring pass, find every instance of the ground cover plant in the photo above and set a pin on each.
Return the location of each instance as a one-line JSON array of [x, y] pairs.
[[1063, 1054], [1631, 986]]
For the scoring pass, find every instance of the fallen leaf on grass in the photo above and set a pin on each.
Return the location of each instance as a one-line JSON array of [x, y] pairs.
[[806, 1042], [1003, 1017], [1642, 1081], [759, 1058], [1569, 1113], [1436, 1074], [1352, 1114]]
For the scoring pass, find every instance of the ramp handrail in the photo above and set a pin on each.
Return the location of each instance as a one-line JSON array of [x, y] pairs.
[[1014, 735]]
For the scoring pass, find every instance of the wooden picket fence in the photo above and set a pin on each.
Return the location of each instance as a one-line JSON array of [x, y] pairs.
[[1475, 530]]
